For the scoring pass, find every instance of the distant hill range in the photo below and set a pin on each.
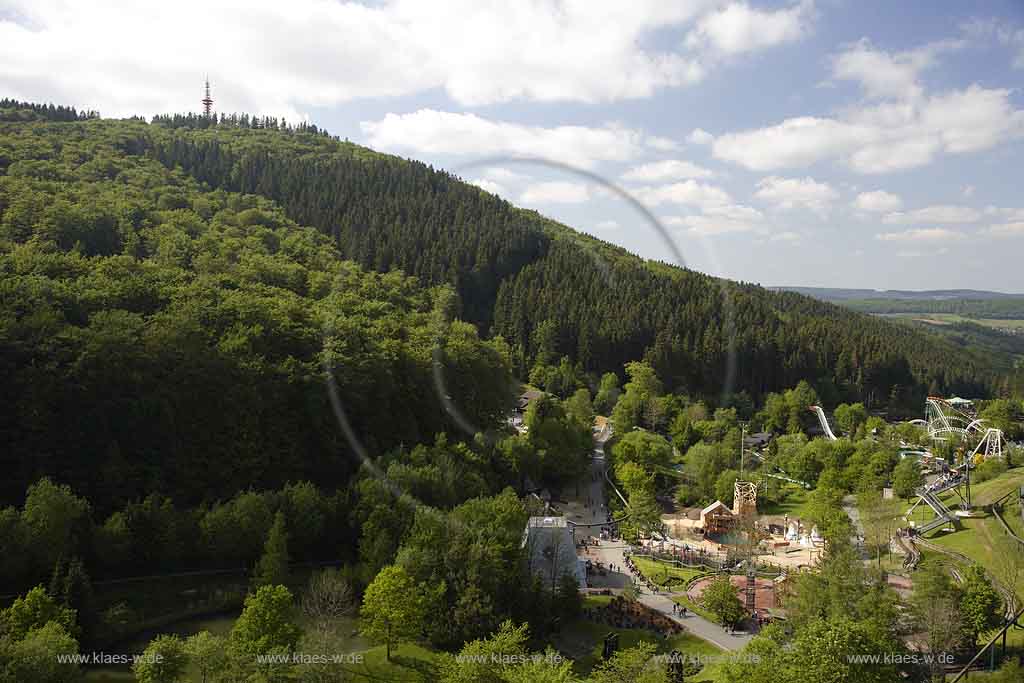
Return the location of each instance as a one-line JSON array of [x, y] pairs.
[[840, 294]]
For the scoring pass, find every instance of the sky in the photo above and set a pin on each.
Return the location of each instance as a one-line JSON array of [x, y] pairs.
[[837, 143]]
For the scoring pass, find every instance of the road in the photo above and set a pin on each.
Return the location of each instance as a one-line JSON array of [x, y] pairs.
[[588, 506]]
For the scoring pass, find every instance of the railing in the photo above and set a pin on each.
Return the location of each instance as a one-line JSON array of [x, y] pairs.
[[1009, 596], [1001, 633], [994, 509]]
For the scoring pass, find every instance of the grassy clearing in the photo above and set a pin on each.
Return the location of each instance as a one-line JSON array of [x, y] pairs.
[[950, 318], [789, 500], [592, 601], [582, 641], [409, 664]]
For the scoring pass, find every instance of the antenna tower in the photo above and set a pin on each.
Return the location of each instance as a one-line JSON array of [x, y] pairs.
[[207, 101]]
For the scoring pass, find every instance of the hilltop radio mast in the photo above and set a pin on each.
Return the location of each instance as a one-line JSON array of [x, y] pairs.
[[207, 101]]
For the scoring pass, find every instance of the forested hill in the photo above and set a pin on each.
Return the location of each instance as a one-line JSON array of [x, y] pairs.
[[551, 291], [157, 335], [547, 290]]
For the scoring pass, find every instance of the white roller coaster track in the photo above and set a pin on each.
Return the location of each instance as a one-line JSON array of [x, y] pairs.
[[824, 423], [943, 418], [990, 446]]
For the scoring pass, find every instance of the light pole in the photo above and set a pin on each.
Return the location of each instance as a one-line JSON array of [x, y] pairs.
[[743, 434]]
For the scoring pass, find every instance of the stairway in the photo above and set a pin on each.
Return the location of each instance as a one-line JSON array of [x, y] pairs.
[[943, 515]]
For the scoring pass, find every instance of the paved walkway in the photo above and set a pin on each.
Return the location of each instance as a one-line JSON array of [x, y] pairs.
[[591, 490]]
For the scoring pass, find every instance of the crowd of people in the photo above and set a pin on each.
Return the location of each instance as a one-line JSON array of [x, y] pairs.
[[638, 576]]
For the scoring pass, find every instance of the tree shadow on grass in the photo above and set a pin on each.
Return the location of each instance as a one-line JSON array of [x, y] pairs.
[[427, 670]]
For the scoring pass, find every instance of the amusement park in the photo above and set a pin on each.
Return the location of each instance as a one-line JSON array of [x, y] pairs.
[[946, 495]]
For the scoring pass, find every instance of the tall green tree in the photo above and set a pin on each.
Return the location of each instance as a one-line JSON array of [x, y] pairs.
[[720, 598], [34, 610], [266, 626], [163, 661], [37, 657], [394, 608], [907, 478], [272, 568], [980, 605], [207, 654]]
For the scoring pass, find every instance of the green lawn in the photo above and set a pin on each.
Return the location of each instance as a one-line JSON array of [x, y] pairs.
[[592, 601], [988, 491], [791, 500], [582, 641], [978, 539], [409, 664], [696, 608], [981, 494], [665, 574], [1011, 513]]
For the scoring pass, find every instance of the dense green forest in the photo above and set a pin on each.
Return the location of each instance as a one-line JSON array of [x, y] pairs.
[[551, 291], [158, 336], [166, 322]]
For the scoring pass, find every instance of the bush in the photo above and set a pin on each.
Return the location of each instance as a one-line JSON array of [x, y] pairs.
[[989, 469]]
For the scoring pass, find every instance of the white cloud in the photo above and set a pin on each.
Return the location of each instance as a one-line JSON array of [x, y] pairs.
[[555, 192], [926, 235], [885, 74], [735, 212], [710, 225], [1006, 213], [607, 225], [662, 144], [877, 201], [689, 192], [794, 142], [504, 175], [488, 186], [670, 169], [795, 193], [738, 28], [699, 136], [718, 220], [142, 58], [942, 214], [884, 138], [896, 155], [1015, 229], [428, 131]]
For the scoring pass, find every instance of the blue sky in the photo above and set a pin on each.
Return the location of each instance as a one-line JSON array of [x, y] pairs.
[[831, 142]]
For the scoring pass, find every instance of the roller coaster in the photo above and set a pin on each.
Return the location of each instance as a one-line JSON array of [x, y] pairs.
[[942, 418], [825, 426], [944, 421]]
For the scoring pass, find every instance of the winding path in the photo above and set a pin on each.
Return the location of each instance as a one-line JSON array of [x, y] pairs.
[[591, 490]]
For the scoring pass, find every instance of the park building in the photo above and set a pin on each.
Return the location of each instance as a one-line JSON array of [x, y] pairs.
[[717, 518], [551, 551]]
